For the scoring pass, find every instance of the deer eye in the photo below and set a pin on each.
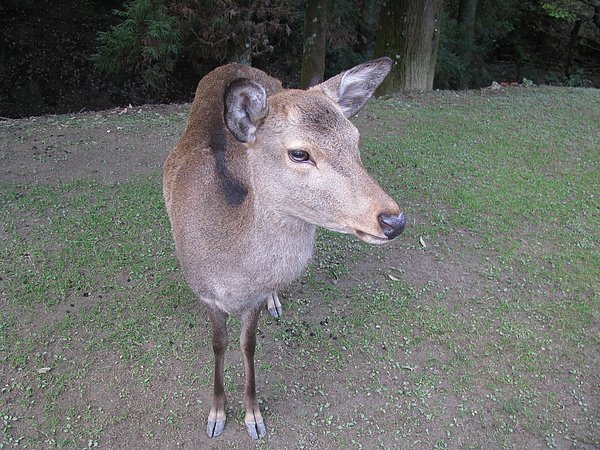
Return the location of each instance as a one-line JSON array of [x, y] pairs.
[[299, 155]]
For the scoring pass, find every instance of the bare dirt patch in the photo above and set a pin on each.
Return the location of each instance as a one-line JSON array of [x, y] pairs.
[[107, 146]]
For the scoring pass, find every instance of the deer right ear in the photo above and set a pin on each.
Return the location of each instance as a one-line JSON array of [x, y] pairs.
[[351, 89], [245, 107]]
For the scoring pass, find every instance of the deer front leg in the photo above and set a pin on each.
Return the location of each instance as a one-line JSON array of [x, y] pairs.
[[274, 305], [253, 419], [216, 417]]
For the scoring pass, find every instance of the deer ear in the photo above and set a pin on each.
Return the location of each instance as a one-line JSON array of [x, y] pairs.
[[351, 89], [245, 107]]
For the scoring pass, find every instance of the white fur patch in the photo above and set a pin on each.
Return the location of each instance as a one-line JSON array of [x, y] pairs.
[[353, 77]]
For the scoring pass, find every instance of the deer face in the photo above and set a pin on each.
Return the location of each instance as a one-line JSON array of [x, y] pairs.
[[304, 153]]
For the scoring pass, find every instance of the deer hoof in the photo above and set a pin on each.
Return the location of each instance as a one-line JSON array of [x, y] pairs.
[[256, 429], [215, 427], [274, 306]]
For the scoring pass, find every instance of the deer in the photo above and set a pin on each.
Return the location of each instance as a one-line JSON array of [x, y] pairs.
[[256, 171]]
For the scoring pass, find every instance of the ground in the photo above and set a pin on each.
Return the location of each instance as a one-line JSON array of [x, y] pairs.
[[478, 328]]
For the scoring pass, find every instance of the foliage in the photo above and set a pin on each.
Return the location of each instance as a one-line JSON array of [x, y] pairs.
[[452, 69], [157, 34], [538, 39], [461, 62], [147, 42], [560, 11], [344, 19], [340, 59], [158, 49], [222, 30], [350, 33], [526, 82], [578, 79]]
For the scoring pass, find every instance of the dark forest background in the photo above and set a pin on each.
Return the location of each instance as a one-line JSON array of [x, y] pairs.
[[71, 55]]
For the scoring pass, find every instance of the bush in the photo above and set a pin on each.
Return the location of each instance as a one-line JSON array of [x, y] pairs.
[[147, 42], [578, 79], [157, 34], [451, 69]]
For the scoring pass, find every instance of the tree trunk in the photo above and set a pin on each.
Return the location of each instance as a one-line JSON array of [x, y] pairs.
[[467, 11], [313, 57], [596, 16], [574, 38], [409, 34], [240, 46], [367, 32]]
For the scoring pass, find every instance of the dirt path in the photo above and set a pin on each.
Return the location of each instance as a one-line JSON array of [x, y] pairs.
[[108, 146]]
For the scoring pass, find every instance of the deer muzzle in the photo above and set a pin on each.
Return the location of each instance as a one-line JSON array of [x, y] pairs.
[[392, 226]]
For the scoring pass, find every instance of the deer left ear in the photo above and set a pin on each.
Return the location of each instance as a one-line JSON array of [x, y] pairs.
[[245, 107], [351, 89]]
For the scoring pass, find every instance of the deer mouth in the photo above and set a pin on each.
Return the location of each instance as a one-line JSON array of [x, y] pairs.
[[370, 238]]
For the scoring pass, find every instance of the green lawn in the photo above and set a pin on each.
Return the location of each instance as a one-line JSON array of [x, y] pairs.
[[478, 328]]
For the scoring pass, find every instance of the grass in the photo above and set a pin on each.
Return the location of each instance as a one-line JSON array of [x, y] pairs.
[[486, 337]]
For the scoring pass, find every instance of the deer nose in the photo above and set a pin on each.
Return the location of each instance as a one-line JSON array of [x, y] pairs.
[[392, 226]]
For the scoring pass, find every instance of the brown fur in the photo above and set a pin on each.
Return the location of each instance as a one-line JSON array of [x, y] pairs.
[[244, 214]]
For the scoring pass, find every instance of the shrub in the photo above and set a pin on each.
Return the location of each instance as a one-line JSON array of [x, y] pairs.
[[147, 42], [578, 79], [451, 69]]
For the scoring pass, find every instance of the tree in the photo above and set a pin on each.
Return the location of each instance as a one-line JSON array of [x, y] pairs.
[[239, 49], [351, 33], [313, 57], [156, 35], [222, 31], [409, 34], [146, 42], [573, 14], [467, 12], [367, 28]]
